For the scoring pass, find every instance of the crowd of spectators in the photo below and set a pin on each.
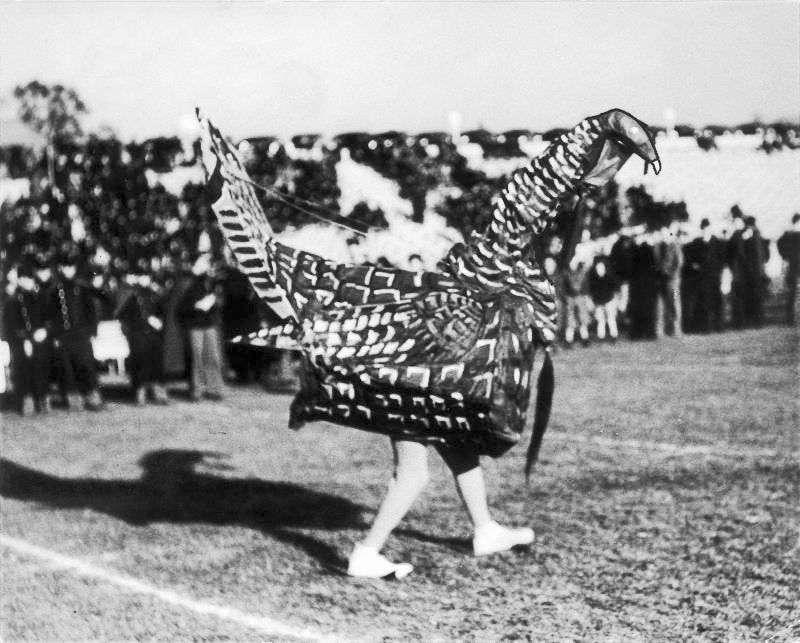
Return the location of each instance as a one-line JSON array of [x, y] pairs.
[[651, 283], [172, 320], [101, 241]]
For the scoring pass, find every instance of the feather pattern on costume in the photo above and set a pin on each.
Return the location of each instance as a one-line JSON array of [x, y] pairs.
[[443, 357]]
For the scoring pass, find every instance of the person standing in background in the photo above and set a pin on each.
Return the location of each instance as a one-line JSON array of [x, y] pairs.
[[603, 290], [72, 316], [701, 284], [747, 256], [43, 266], [174, 279], [199, 312], [643, 298], [141, 314], [712, 279], [24, 325], [694, 258], [668, 257], [789, 250], [620, 263]]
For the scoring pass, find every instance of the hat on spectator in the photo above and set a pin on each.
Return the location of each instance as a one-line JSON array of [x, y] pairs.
[[43, 259], [69, 255], [27, 266], [119, 267], [139, 266]]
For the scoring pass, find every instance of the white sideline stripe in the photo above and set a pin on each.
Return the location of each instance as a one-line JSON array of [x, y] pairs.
[[264, 625], [668, 447]]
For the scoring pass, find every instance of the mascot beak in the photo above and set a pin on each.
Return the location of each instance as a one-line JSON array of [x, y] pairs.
[[625, 135]]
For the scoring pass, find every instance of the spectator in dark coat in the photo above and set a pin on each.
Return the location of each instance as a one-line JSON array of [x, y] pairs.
[[701, 283], [747, 255], [25, 328], [44, 281], [199, 312], [643, 289], [240, 316], [789, 249], [694, 257], [141, 314], [175, 279], [620, 264], [71, 313]]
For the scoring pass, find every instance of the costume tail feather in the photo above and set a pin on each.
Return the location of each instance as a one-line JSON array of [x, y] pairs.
[[544, 402]]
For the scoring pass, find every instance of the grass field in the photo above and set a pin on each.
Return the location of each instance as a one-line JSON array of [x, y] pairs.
[[666, 504]]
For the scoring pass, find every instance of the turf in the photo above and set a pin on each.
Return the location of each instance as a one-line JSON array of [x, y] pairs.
[[665, 504]]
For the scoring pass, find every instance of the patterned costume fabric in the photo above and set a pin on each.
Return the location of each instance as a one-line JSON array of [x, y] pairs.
[[438, 357]]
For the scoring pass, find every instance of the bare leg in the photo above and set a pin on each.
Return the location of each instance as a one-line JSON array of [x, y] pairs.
[[410, 478], [489, 537]]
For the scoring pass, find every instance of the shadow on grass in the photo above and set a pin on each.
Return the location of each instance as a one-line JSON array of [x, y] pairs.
[[172, 490], [120, 390], [459, 545]]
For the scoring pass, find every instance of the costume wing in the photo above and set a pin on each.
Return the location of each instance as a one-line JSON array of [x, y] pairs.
[[435, 328], [432, 328], [241, 218]]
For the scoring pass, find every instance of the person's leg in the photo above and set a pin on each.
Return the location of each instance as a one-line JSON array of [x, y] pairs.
[[697, 318], [569, 333], [149, 372], [675, 306], [409, 479], [584, 304], [137, 360], [737, 303], [196, 348], [611, 319], [213, 362], [86, 373], [791, 294], [600, 317], [157, 361], [713, 302], [667, 312], [489, 536], [622, 299], [658, 311], [41, 375], [67, 384], [43, 357], [759, 292], [21, 378]]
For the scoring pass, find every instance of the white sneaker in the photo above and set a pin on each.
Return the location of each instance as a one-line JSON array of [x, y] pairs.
[[366, 562], [492, 538]]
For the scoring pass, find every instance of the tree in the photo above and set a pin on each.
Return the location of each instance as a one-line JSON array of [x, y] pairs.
[[54, 112]]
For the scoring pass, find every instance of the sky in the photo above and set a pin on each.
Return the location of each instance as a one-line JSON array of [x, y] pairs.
[[284, 68]]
